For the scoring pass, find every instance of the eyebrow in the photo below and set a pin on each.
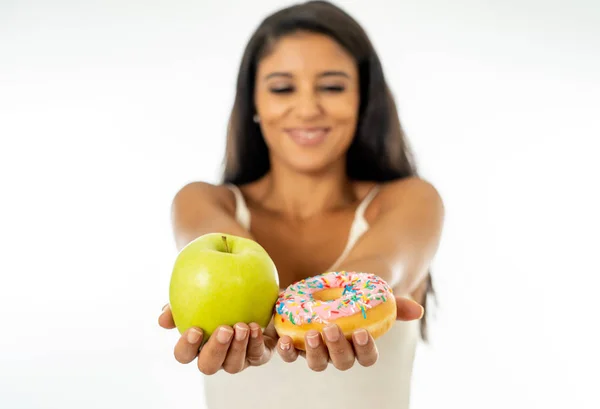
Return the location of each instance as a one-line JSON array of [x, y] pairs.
[[323, 74]]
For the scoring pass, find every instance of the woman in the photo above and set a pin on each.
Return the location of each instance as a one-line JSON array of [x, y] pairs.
[[318, 172]]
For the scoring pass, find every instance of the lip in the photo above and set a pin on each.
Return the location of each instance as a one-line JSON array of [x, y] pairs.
[[308, 136]]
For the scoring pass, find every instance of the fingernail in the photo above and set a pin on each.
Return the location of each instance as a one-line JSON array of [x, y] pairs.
[[361, 337], [165, 307], [285, 346], [240, 333], [331, 333], [193, 335], [313, 340], [422, 311], [224, 335], [254, 331], [417, 304]]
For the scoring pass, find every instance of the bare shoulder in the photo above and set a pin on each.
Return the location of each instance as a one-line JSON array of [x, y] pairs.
[[398, 194], [200, 194], [199, 208], [408, 191]]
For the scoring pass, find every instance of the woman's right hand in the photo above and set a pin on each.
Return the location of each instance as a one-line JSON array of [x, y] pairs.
[[232, 349]]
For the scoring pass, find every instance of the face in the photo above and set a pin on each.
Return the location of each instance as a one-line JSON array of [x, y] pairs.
[[307, 100]]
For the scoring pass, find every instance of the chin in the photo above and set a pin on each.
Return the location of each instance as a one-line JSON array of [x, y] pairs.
[[311, 165]]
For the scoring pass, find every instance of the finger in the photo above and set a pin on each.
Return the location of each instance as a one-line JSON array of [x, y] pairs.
[[286, 349], [316, 352], [165, 319], [270, 336], [364, 348], [257, 353], [235, 360], [408, 310], [188, 345], [339, 349], [213, 353]]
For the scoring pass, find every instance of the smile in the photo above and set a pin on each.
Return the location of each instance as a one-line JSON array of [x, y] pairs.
[[308, 136]]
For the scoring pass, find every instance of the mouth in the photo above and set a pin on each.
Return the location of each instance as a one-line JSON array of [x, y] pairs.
[[308, 136]]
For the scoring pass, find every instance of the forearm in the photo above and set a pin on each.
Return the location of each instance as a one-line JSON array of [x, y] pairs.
[[403, 239], [404, 279]]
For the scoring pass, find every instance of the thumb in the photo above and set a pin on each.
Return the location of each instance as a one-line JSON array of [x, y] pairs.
[[165, 319], [408, 309]]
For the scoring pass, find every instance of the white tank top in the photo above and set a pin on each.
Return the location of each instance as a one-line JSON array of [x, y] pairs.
[[281, 385]]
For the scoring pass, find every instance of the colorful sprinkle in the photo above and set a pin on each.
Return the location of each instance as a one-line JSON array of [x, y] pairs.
[[361, 291]]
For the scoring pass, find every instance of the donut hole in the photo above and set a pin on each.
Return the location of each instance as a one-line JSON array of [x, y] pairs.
[[328, 294]]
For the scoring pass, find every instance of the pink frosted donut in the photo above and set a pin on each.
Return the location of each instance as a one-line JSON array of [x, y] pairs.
[[352, 300]]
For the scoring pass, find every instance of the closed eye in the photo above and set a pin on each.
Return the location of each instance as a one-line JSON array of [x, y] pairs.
[[287, 90], [283, 90], [333, 88]]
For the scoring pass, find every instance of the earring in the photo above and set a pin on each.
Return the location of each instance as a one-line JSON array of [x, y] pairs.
[[256, 118]]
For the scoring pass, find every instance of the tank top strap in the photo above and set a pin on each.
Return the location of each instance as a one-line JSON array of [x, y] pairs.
[[242, 214], [358, 228], [362, 207]]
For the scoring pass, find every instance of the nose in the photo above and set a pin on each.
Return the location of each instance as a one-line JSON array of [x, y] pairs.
[[307, 105]]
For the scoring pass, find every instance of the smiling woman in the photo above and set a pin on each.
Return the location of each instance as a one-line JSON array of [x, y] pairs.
[[319, 173], [307, 103]]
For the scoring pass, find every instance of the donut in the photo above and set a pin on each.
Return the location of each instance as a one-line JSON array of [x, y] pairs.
[[352, 300]]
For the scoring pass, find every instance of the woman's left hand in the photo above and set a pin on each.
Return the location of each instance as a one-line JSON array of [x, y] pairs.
[[335, 348]]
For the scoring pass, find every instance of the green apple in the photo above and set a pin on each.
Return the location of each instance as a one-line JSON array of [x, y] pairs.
[[221, 279]]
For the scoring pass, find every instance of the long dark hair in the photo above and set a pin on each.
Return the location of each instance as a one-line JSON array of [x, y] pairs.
[[379, 151]]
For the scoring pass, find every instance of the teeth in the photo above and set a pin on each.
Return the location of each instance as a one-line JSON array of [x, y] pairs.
[[309, 134]]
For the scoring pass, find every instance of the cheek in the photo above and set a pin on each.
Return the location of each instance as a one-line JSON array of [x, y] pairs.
[[343, 115], [272, 111], [342, 110], [272, 107]]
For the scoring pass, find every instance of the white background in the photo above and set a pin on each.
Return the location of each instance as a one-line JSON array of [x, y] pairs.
[[107, 108]]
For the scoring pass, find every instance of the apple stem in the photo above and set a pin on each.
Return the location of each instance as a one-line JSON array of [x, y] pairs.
[[226, 246]]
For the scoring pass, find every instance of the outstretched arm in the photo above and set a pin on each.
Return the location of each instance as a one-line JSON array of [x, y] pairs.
[[404, 236], [399, 247], [197, 209]]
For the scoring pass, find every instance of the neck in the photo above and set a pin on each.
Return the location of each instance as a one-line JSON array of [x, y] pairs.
[[301, 196]]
